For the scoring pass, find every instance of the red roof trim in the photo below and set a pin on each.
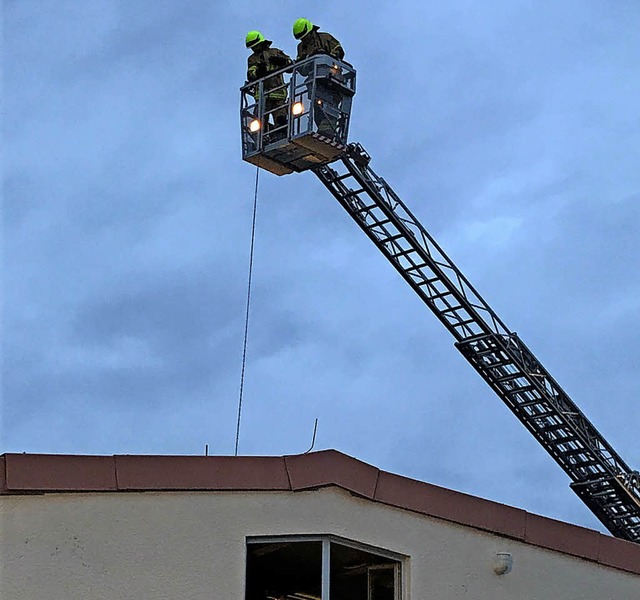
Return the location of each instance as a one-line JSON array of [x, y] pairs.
[[41, 473]]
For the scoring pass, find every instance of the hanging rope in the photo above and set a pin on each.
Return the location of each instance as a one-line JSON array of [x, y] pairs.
[[246, 318]]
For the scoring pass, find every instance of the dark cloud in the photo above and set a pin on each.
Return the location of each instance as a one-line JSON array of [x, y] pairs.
[[509, 128]]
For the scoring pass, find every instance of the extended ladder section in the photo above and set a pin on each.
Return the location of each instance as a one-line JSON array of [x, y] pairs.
[[598, 474]]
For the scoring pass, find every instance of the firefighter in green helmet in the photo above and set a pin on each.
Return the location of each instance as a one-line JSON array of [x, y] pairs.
[[327, 101], [313, 41], [262, 61]]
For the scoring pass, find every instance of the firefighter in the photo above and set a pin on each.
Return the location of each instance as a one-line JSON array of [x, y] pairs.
[[264, 60], [313, 41]]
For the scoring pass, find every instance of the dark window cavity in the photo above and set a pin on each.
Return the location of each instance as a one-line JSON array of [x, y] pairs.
[[284, 570], [320, 568]]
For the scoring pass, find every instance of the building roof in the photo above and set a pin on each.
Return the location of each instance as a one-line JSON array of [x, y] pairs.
[[46, 473]]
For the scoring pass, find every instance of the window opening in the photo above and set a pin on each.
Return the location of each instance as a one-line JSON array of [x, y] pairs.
[[361, 575], [285, 570], [320, 568]]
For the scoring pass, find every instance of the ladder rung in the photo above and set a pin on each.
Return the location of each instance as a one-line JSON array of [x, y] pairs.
[[492, 350], [557, 440], [587, 464], [621, 517], [525, 388], [403, 253], [429, 281], [364, 209], [538, 415], [343, 177], [462, 323], [496, 352], [487, 345], [603, 494], [480, 337], [496, 365], [510, 377], [393, 238], [545, 426], [531, 402], [415, 268], [440, 295], [557, 427], [582, 464], [576, 452]]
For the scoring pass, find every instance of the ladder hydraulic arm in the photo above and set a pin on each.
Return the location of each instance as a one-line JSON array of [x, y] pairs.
[[598, 474]]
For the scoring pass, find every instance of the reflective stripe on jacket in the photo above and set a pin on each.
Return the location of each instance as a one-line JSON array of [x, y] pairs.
[[265, 60]]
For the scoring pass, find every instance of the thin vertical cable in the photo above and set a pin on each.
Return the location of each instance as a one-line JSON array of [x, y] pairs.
[[246, 318]]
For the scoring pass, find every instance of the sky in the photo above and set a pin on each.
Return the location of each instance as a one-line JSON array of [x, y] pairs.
[[511, 128]]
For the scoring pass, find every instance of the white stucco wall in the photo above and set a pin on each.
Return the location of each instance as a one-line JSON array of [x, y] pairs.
[[191, 546]]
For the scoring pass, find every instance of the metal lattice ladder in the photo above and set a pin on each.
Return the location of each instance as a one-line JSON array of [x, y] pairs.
[[599, 475]]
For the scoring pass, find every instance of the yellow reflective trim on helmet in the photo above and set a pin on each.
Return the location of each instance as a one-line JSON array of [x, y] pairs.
[[253, 39], [301, 28]]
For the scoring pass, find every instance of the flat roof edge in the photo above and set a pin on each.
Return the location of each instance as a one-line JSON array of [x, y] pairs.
[[26, 474]]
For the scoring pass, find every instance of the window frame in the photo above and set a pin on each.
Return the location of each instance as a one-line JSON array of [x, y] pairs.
[[326, 540]]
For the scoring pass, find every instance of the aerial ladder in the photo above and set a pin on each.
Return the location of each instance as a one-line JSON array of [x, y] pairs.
[[318, 104]]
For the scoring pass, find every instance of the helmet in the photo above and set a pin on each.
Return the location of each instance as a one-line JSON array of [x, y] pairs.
[[301, 27], [253, 39]]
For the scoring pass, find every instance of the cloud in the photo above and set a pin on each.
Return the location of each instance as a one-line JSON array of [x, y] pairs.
[[509, 128]]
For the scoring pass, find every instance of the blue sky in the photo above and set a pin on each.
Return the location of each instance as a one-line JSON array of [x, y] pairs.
[[510, 128]]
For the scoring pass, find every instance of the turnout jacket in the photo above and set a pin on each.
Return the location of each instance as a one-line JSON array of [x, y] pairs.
[[265, 60], [319, 42]]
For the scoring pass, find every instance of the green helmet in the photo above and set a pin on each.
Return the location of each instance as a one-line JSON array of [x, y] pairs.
[[301, 28], [253, 39]]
